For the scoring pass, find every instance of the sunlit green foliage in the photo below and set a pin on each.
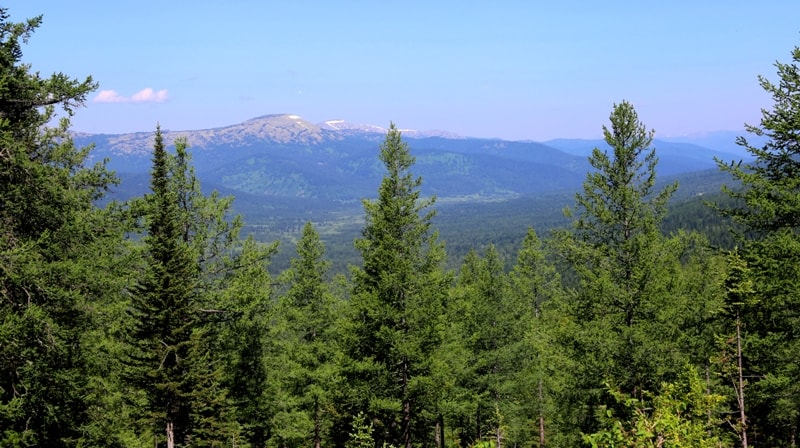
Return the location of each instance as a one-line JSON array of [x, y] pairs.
[[639, 308], [682, 414], [397, 304], [54, 247], [768, 209], [305, 360], [152, 320]]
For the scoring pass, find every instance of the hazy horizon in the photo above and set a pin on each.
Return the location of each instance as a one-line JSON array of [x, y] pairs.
[[520, 71]]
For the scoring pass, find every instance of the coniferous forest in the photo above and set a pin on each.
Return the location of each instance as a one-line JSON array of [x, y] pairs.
[[156, 322]]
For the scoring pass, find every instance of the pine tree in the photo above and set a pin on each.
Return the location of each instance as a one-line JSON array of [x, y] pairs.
[[768, 209], [171, 338], [536, 284], [635, 285], [614, 248], [245, 338], [48, 225], [305, 361], [397, 303], [493, 324]]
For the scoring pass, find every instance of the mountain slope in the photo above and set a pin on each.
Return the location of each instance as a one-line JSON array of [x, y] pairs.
[[285, 156], [674, 157]]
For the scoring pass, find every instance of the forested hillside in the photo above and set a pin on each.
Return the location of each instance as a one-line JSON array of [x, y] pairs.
[[157, 320], [475, 224]]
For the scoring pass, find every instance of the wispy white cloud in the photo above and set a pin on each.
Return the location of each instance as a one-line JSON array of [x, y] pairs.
[[109, 96], [147, 95]]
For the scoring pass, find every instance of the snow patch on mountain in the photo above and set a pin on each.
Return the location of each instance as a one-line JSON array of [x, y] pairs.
[[351, 128], [342, 125]]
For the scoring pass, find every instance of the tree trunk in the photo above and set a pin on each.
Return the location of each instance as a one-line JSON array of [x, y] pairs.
[[499, 432], [406, 407], [478, 433], [317, 437], [170, 435], [709, 414], [541, 415], [440, 428], [742, 415]]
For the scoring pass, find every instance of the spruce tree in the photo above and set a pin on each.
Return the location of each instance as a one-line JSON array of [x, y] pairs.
[[634, 285], [493, 324], [305, 362], [768, 209], [172, 336], [245, 339], [162, 309], [397, 303], [48, 228], [536, 285], [614, 248]]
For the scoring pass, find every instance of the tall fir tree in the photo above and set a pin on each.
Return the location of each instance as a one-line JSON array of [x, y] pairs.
[[305, 363], [396, 307], [162, 309], [49, 225], [245, 340], [767, 206], [731, 359], [171, 339], [537, 285], [632, 285], [614, 247], [493, 324]]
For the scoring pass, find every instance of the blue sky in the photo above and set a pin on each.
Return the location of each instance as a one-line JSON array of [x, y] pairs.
[[508, 69]]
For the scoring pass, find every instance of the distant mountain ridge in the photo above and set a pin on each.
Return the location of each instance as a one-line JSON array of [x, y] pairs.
[[285, 156], [270, 129]]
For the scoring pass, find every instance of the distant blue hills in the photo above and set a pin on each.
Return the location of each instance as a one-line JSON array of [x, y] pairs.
[[283, 157]]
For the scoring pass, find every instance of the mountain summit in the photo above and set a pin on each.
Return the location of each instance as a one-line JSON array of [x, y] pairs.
[[283, 155], [285, 129]]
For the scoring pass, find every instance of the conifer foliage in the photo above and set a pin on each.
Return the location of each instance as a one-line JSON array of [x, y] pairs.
[[304, 363], [614, 250], [398, 297], [48, 226], [162, 309], [150, 323], [768, 207], [170, 340], [634, 284]]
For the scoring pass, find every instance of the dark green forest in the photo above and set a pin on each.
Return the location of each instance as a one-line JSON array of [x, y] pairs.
[[630, 319]]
